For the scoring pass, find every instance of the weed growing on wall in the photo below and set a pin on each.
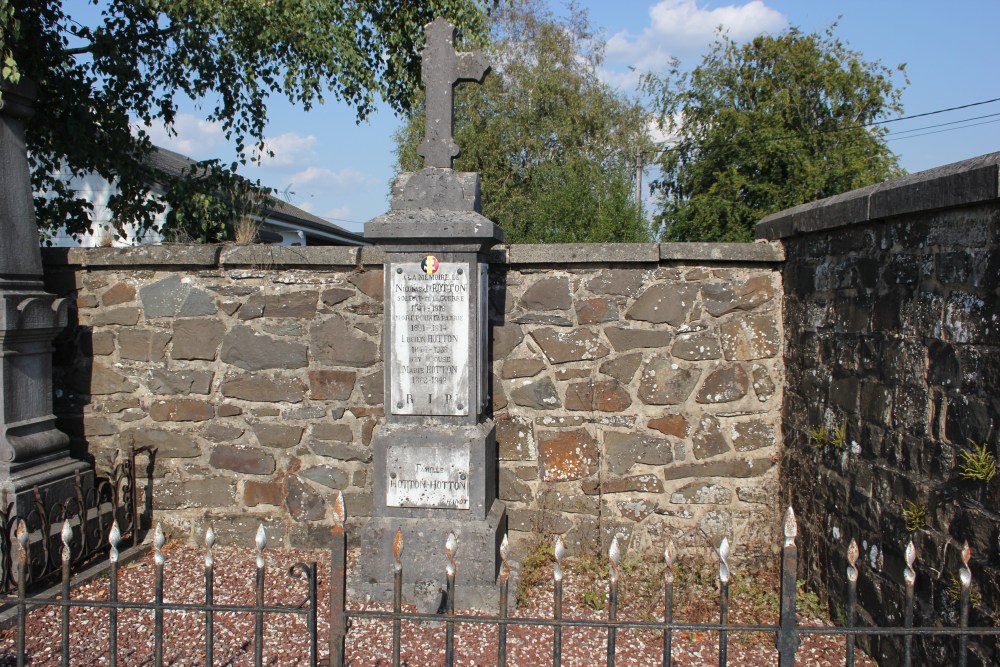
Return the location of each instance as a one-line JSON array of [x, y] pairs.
[[978, 464], [914, 516]]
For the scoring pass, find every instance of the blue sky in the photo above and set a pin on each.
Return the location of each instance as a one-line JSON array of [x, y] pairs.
[[339, 170]]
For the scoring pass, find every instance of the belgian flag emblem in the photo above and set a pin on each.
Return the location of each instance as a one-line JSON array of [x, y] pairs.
[[430, 265]]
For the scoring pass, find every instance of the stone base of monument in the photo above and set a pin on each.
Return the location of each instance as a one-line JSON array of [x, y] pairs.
[[424, 561], [56, 483]]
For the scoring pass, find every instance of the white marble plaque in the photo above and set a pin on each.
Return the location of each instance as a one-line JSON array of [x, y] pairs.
[[427, 476], [429, 328]]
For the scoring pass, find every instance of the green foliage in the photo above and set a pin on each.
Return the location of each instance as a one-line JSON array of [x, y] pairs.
[[555, 147], [838, 439], [808, 603], [100, 84], [819, 436], [595, 599], [978, 464], [535, 569], [914, 516], [762, 126], [954, 593]]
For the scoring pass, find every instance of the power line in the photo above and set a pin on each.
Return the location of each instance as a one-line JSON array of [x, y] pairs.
[[669, 143], [950, 129], [954, 122], [931, 113]]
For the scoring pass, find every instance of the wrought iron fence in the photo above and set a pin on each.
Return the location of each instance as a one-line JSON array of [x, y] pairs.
[[787, 631], [90, 512]]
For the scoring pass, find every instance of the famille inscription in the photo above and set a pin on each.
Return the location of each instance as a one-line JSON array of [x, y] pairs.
[[427, 476], [429, 328]]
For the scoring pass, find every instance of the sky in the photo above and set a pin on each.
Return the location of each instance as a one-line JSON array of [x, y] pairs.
[[333, 167]]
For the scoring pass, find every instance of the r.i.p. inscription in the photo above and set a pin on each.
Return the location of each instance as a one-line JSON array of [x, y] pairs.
[[429, 326]]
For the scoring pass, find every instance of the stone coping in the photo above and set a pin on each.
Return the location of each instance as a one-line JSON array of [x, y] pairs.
[[215, 256], [963, 183]]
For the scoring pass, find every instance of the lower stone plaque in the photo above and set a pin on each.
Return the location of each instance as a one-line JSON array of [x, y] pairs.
[[427, 476]]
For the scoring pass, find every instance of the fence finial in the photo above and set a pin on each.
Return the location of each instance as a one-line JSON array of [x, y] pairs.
[[791, 527], [964, 573], [339, 511], [450, 550], [615, 556], [209, 544], [158, 541], [504, 554], [22, 541], [397, 550], [669, 558], [67, 536], [260, 541], [852, 559], [909, 574], [114, 537], [559, 552], [724, 560]]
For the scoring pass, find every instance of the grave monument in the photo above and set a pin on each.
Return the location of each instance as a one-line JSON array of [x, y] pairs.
[[435, 458], [33, 452]]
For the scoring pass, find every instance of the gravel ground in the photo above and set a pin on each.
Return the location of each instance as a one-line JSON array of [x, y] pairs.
[[368, 643]]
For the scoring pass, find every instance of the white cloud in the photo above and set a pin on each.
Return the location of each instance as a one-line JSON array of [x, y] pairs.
[[195, 137], [683, 29], [322, 178], [289, 149]]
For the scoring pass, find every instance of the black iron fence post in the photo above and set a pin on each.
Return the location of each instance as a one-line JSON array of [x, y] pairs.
[[338, 584], [852, 597], [910, 577], [67, 536], [258, 620], [158, 542], [557, 602], [397, 595], [504, 582], [114, 537], [723, 600], [22, 588], [669, 556], [209, 597], [788, 639], [614, 558], [965, 577]]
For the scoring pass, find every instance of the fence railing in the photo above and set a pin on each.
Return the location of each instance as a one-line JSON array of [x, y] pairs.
[[90, 512], [787, 631]]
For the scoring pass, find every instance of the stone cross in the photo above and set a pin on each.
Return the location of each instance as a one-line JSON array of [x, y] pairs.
[[441, 68]]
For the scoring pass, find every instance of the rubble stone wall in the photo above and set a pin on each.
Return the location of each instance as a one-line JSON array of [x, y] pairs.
[[892, 338], [637, 388]]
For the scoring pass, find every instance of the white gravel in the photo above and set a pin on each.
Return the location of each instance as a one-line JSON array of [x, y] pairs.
[[368, 641]]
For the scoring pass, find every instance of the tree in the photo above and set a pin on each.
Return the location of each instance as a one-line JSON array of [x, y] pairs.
[[100, 83], [555, 147], [763, 126]]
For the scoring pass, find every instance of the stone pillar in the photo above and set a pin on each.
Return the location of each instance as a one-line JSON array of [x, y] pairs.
[[33, 453], [435, 460]]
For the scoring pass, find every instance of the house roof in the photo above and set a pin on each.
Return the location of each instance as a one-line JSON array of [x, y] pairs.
[[279, 213]]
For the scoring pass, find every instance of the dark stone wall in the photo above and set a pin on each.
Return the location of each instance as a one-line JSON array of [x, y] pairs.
[[892, 333]]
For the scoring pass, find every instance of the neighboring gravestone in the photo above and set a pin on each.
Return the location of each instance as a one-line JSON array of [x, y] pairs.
[[435, 459], [33, 453]]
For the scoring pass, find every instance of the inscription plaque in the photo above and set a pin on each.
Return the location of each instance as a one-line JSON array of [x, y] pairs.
[[429, 327], [427, 476]]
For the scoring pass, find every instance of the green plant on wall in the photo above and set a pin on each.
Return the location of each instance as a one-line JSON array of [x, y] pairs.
[[978, 464], [914, 516], [819, 436], [954, 593], [838, 438]]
